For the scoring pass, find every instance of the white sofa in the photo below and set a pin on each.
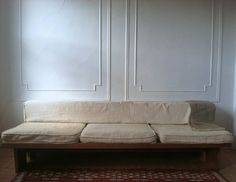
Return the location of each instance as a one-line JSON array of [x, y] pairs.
[[115, 125]]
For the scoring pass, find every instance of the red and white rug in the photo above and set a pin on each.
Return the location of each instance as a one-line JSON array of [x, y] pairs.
[[118, 175]]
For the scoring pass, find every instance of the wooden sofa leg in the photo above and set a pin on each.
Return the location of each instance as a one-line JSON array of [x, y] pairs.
[[211, 158], [20, 160]]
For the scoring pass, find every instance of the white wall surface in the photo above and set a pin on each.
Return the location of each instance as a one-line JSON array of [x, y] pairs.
[[234, 106], [1, 60], [121, 50], [4, 66], [224, 115]]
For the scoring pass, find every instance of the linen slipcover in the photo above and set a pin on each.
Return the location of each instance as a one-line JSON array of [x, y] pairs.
[[117, 122], [107, 112], [54, 133], [201, 126], [161, 112], [184, 134], [77, 111], [202, 111], [118, 133]]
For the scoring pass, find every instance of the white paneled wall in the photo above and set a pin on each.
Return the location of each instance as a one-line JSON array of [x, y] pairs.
[[175, 50], [122, 50], [234, 105], [66, 47], [1, 60], [172, 49], [4, 66]]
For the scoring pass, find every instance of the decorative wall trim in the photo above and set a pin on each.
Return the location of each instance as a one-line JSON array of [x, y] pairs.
[[219, 58], [100, 46], [109, 50], [140, 86], [127, 33], [95, 85], [135, 40], [219, 51]]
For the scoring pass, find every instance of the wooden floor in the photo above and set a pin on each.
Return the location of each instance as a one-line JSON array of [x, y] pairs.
[[227, 161], [6, 165]]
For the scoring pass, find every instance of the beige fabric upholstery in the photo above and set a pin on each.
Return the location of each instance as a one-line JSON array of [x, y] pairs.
[[118, 133], [202, 111], [161, 112], [62, 122], [108, 112], [30, 132], [75, 111], [184, 134], [201, 126]]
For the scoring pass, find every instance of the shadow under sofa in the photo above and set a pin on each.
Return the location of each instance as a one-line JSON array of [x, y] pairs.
[[76, 125]]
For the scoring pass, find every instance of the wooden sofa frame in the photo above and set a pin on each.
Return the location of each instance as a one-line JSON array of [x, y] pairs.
[[209, 151]]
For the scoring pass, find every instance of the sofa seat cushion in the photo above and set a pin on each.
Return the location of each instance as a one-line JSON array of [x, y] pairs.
[[53, 133], [185, 134], [118, 133]]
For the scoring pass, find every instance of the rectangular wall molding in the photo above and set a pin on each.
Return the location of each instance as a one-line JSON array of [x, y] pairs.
[[143, 26], [101, 72], [214, 55]]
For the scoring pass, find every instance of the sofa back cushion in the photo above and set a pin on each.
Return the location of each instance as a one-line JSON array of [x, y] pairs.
[[161, 112], [77, 111], [107, 112], [202, 111]]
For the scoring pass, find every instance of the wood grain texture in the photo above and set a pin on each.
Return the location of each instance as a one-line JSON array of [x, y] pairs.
[[115, 146]]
